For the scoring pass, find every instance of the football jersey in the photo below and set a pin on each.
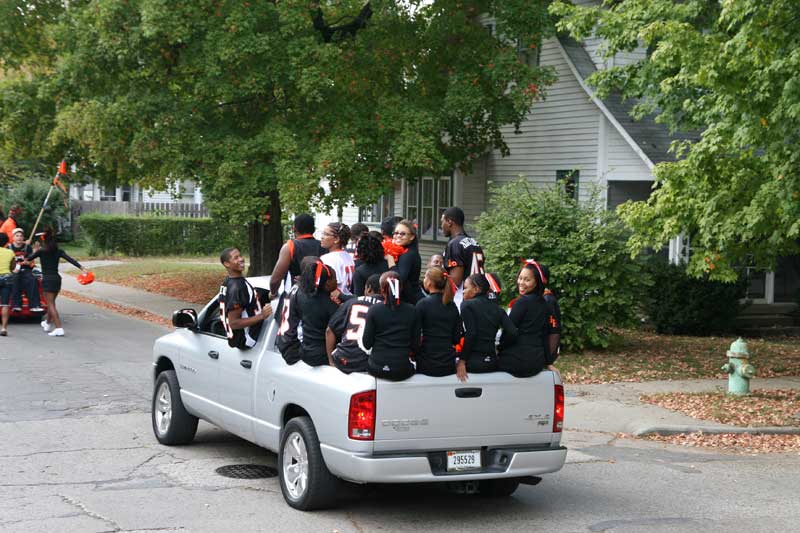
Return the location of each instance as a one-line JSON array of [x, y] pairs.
[[463, 251], [302, 246], [348, 325], [344, 266], [237, 293], [288, 317]]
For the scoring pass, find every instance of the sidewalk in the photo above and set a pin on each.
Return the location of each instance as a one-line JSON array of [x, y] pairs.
[[607, 408], [116, 294], [616, 408]]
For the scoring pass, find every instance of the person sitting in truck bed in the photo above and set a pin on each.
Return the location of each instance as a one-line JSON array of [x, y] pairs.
[[343, 339], [317, 281], [440, 325], [537, 327], [390, 332], [482, 319], [287, 339]]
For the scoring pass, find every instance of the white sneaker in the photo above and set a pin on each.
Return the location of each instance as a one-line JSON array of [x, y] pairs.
[[46, 326], [58, 332]]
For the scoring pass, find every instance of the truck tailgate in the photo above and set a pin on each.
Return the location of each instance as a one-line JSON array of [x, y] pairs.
[[426, 413]]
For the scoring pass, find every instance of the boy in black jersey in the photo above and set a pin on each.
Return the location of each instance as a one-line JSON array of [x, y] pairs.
[[241, 312], [347, 328], [287, 268], [463, 256]]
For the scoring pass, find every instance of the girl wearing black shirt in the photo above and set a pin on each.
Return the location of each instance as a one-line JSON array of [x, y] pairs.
[[49, 255], [530, 352], [369, 251], [482, 318], [390, 332], [408, 264], [440, 325], [317, 281]]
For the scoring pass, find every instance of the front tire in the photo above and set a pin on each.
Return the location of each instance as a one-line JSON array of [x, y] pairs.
[[306, 482], [172, 424]]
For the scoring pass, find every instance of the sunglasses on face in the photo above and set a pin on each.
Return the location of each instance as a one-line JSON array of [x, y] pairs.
[[401, 233]]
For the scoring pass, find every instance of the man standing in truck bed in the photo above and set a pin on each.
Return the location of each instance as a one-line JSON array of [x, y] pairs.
[[463, 256]]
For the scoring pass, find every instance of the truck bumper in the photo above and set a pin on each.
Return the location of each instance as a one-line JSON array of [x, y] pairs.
[[421, 467]]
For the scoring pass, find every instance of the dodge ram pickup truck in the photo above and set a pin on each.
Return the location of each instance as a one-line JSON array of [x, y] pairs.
[[490, 434]]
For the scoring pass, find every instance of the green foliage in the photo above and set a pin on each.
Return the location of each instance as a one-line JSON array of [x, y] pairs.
[[583, 244], [250, 98], [139, 236], [680, 304], [29, 194], [730, 72]]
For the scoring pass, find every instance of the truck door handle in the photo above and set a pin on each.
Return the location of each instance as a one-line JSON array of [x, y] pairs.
[[469, 392], [247, 363], [213, 355]]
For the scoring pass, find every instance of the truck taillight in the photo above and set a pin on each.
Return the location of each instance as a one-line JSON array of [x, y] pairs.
[[361, 419], [558, 409]]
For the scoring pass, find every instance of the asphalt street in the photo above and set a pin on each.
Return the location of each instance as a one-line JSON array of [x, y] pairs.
[[77, 454]]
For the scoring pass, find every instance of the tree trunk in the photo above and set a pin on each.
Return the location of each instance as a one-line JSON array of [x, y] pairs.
[[266, 239]]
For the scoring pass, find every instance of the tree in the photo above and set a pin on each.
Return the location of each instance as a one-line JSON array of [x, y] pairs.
[[259, 100], [729, 71]]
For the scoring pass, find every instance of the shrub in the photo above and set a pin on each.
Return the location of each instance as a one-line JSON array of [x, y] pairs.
[[583, 244], [159, 235], [681, 304], [29, 194]]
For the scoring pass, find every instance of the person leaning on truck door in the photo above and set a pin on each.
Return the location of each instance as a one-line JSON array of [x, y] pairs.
[[241, 312], [536, 325]]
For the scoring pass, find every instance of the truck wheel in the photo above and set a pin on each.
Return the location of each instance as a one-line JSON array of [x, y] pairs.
[[499, 488], [172, 424], [306, 483]]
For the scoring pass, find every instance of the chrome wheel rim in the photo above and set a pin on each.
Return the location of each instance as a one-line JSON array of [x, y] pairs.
[[295, 466], [163, 408]]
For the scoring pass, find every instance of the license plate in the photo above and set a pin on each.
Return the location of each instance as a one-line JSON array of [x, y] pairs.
[[469, 460]]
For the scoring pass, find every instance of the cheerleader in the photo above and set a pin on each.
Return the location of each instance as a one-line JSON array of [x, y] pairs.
[[440, 325], [316, 308]]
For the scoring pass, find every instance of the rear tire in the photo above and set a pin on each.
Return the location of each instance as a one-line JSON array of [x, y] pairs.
[[499, 488], [306, 482], [172, 424]]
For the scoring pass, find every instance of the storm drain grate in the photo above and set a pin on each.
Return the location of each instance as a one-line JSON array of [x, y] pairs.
[[246, 471]]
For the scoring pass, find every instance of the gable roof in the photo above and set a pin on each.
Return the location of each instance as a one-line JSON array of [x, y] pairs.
[[647, 138]]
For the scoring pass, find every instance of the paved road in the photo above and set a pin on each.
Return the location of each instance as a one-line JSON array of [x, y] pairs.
[[77, 454]]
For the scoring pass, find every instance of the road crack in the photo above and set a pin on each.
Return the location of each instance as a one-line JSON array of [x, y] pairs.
[[91, 514]]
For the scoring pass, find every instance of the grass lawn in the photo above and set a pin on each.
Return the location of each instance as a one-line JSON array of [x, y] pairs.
[[185, 280], [638, 355]]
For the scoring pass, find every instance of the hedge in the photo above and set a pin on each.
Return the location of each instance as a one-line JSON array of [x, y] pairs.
[[681, 304], [149, 235]]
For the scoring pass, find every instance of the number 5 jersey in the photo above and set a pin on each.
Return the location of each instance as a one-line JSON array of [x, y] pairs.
[[348, 325]]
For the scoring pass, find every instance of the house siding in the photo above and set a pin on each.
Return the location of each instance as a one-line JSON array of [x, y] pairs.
[[559, 133], [623, 164]]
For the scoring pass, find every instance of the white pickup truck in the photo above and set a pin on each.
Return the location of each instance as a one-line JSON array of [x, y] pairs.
[[490, 433]]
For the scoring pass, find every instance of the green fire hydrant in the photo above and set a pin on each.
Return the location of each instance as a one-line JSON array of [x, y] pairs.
[[739, 370]]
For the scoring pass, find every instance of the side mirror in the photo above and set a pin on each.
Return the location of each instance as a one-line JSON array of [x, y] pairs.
[[185, 318]]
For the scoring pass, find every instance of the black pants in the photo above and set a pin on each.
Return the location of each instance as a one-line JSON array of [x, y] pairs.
[[481, 364], [392, 372], [521, 365], [437, 364], [291, 353], [437, 371], [24, 281]]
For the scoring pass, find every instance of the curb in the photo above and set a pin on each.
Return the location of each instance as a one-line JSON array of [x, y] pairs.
[[715, 430]]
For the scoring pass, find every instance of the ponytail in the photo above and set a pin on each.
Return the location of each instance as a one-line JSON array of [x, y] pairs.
[[314, 277], [441, 281], [390, 289]]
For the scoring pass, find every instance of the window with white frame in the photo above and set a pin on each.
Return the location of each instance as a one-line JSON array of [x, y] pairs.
[[108, 194], [425, 201], [376, 212]]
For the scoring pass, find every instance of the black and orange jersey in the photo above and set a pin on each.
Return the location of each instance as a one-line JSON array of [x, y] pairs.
[[348, 324], [535, 323], [463, 250], [303, 246], [288, 318]]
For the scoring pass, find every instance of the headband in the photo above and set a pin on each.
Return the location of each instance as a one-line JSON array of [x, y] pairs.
[[446, 276], [538, 267]]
